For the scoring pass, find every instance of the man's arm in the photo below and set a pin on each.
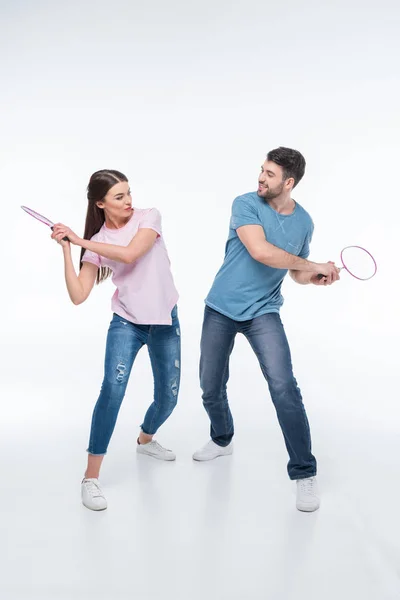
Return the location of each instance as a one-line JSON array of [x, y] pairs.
[[306, 277], [253, 237], [302, 277]]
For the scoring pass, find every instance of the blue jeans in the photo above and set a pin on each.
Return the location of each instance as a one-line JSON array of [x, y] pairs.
[[124, 341], [268, 340]]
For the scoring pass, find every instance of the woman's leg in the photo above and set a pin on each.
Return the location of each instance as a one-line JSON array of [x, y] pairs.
[[164, 345], [124, 340], [93, 466]]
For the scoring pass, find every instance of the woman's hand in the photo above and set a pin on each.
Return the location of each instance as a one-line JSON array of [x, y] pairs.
[[60, 231], [60, 240]]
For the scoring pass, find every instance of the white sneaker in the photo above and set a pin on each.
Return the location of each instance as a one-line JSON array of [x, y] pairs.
[[211, 450], [307, 495], [92, 495], [155, 450]]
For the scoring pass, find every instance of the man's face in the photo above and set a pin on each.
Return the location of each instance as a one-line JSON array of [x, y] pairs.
[[270, 181]]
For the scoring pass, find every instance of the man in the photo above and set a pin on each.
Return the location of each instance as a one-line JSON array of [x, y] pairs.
[[269, 235]]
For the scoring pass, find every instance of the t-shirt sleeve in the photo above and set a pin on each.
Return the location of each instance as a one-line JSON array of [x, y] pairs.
[[244, 213], [92, 257], [305, 251], [151, 220]]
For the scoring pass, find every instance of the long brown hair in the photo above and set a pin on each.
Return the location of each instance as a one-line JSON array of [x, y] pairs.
[[99, 185]]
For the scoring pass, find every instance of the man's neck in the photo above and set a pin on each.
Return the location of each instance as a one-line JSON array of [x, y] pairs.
[[282, 204]]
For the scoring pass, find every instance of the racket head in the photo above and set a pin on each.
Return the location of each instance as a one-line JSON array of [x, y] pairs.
[[37, 216], [359, 262]]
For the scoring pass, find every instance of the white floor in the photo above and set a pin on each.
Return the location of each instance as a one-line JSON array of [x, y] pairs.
[[222, 530]]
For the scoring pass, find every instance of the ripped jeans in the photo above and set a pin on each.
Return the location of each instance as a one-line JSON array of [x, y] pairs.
[[124, 341]]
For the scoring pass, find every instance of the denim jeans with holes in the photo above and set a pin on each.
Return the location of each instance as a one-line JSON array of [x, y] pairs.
[[268, 340], [124, 341]]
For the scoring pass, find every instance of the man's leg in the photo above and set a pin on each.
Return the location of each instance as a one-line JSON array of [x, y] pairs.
[[268, 340], [217, 341]]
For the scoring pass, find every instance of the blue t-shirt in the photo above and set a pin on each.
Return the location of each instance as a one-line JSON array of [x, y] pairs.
[[244, 288]]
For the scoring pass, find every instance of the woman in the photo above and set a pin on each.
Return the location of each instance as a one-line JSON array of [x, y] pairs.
[[127, 243]]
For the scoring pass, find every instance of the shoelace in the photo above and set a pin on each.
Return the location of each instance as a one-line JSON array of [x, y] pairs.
[[207, 446], [93, 489], [307, 486], [158, 446]]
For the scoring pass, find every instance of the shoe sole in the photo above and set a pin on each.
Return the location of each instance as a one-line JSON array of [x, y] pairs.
[[94, 509], [211, 458], [305, 508]]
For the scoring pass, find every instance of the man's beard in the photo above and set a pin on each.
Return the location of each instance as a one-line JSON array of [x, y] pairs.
[[271, 194]]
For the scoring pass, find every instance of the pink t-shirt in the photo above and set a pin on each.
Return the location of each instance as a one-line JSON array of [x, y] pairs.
[[145, 292]]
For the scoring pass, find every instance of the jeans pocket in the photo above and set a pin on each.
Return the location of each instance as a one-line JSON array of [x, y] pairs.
[[117, 321]]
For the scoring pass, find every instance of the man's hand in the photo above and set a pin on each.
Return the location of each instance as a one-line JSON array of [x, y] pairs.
[[330, 273]]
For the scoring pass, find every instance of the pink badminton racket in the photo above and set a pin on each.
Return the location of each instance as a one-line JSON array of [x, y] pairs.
[[41, 218], [357, 261]]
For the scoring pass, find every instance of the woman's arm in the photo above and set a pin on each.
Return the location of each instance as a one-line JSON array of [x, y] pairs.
[[78, 286], [140, 244]]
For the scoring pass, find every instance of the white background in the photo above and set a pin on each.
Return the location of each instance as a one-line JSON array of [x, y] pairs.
[[187, 98]]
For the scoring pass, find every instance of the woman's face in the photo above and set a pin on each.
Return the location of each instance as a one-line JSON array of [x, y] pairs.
[[117, 203]]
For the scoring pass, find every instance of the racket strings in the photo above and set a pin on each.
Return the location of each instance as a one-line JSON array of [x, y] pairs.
[[358, 262]]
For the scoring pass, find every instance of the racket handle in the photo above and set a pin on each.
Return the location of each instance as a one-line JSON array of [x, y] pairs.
[[321, 276], [65, 239]]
